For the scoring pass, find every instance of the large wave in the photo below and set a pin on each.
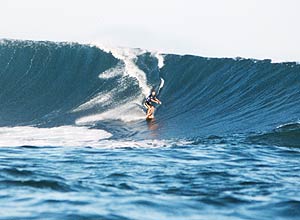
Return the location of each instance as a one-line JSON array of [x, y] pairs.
[[223, 95], [49, 84], [41, 81]]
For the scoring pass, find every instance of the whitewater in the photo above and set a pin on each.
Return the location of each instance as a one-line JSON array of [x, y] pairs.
[[74, 142]]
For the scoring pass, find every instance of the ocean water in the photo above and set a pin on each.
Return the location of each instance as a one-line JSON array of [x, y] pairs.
[[225, 143]]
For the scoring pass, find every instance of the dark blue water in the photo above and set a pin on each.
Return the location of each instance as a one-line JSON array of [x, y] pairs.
[[225, 143]]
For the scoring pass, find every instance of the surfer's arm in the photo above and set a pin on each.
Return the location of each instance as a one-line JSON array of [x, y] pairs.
[[156, 100]]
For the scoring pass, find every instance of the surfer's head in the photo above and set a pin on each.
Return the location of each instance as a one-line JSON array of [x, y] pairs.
[[153, 92]]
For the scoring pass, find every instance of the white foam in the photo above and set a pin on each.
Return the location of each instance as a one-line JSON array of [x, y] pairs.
[[281, 61], [112, 72], [100, 99], [161, 85], [127, 113], [72, 136], [128, 56], [160, 58], [148, 143]]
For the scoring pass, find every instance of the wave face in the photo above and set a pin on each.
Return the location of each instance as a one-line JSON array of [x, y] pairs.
[[217, 96], [44, 80], [50, 84]]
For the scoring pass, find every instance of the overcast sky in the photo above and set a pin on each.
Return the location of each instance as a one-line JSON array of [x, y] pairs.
[[216, 28]]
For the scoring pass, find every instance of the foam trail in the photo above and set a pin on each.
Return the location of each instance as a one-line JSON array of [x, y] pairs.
[[127, 113], [128, 56], [72, 136], [112, 72], [69, 136], [103, 99], [162, 82], [106, 98], [160, 59]]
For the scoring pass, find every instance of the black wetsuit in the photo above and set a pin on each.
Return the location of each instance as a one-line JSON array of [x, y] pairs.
[[149, 100]]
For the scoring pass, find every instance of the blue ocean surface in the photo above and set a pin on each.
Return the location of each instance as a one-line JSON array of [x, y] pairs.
[[74, 142]]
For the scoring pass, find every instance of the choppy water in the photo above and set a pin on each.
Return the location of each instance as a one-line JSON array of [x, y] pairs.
[[225, 144], [215, 178]]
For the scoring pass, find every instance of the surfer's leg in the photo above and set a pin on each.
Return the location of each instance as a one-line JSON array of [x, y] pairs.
[[151, 115], [148, 108], [151, 110]]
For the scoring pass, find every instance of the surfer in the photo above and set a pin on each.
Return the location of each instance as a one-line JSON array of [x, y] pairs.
[[149, 104]]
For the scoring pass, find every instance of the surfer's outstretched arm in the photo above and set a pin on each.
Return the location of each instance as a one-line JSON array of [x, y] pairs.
[[158, 101]]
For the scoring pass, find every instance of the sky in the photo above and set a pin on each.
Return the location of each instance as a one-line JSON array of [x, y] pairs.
[[262, 29]]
